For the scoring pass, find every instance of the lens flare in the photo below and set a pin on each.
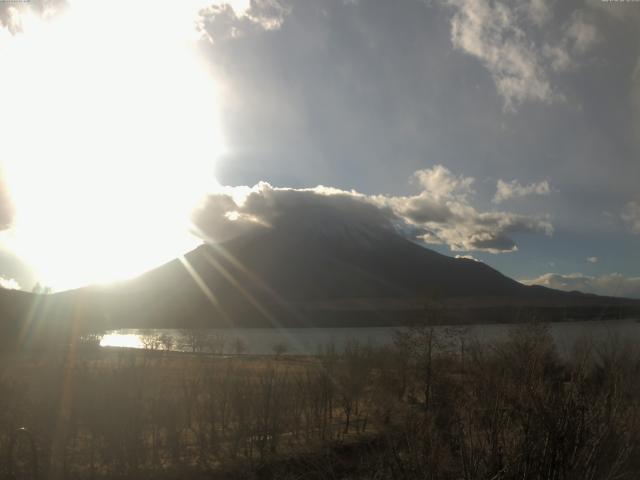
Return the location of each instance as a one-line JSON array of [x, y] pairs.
[[109, 136]]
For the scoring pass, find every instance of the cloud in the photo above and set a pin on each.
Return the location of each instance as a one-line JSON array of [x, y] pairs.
[[237, 210], [220, 22], [538, 12], [439, 214], [631, 215], [270, 14], [343, 87], [505, 37], [559, 57], [468, 257], [9, 283], [581, 33], [443, 211], [506, 190], [10, 18], [611, 284], [592, 259], [491, 32], [12, 13], [439, 183]]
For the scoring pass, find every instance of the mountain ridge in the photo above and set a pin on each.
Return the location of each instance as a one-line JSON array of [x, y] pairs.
[[322, 269], [311, 271]]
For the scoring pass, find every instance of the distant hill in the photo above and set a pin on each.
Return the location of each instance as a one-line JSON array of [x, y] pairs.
[[312, 268]]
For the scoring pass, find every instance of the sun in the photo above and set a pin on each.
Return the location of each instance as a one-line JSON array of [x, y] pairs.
[[109, 139]]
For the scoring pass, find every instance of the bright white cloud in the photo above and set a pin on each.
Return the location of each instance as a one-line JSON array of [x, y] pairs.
[[611, 284], [506, 190], [592, 259], [9, 283], [439, 183]]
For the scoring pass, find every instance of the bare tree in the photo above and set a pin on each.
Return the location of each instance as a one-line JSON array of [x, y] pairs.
[[167, 341], [151, 341], [193, 340]]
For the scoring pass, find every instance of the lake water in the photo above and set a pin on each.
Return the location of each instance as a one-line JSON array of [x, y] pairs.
[[309, 340]]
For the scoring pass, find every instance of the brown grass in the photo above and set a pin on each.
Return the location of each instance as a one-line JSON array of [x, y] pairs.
[[441, 407]]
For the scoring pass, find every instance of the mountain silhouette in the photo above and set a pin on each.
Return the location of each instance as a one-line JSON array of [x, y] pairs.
[[321, 266], [310, 267]]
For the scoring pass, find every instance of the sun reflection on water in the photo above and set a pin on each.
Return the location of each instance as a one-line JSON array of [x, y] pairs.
[[126, 340]]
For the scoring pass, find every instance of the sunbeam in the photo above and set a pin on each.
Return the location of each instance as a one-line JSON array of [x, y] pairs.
[[109, 140]]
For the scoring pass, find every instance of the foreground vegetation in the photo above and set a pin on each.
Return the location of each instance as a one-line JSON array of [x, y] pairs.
[[437, 407]]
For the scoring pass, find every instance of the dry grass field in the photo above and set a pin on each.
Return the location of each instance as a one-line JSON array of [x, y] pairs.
[[440, 407]]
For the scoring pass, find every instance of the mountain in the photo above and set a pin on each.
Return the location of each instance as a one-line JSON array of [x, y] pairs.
[[320, 267], [312, 267]]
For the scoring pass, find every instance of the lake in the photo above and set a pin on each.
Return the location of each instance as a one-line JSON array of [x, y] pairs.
[[304, 341]]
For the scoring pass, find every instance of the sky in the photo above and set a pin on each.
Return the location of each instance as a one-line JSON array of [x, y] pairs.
[[505, 131]]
